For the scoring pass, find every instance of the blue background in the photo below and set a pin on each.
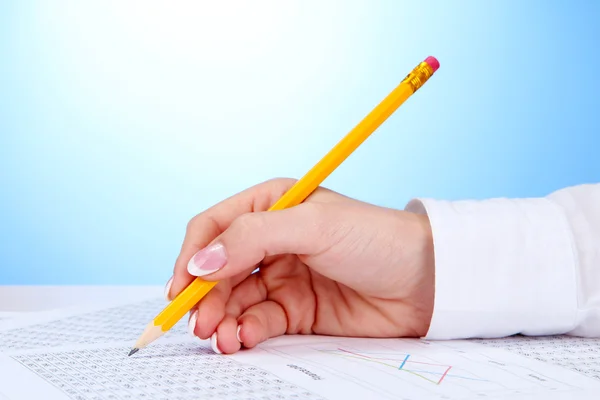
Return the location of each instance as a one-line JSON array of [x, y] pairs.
[[120, 121]]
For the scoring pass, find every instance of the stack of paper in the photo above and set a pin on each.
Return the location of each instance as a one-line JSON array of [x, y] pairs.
[[82, 354]]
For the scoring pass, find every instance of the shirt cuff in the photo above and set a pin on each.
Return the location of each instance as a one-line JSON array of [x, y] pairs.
[[502, 267]]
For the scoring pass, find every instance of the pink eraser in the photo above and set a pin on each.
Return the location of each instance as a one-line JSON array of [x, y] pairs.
[[433, 63]]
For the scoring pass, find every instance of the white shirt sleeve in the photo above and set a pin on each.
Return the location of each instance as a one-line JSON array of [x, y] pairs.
[[508, 266]]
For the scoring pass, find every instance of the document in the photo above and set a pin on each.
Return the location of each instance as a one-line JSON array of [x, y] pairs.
[[83, 355], [6, 317], [575, 353], [9, 317], [103, 324]]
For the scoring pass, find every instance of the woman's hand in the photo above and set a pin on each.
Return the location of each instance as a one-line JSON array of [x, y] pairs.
[[330, 266]]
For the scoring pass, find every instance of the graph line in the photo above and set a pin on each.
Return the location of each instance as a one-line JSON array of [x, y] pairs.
[[444, 375], [402, 363]]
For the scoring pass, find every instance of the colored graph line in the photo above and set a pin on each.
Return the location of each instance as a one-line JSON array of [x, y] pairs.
[[404, 361], [449, 375], [402, 364], [444, 375]]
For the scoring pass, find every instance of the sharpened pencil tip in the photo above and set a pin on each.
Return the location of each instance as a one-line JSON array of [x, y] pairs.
[[133, 351]]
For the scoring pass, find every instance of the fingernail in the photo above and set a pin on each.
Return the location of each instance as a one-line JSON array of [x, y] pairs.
[[237, 334], [192, 323], [213, 343], [168, 289], [208, 260]]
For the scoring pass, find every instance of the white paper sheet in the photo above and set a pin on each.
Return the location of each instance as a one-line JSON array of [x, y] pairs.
[[102, 324], [83, 355], [5, 316], [9, 318], [4, 319], [575, 353], [314, 368]]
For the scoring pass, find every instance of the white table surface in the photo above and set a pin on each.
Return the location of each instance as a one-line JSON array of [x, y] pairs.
[[43, 298]]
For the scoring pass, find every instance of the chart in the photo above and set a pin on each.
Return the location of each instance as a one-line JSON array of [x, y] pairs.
[[413, 369], [404, 363], [82, 354]]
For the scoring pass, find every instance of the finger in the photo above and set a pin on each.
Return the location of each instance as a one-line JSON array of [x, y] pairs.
[[248, 293], [196, 237], [306, 229], [205, 316], [224, 340], [261, 322], [203, 228]]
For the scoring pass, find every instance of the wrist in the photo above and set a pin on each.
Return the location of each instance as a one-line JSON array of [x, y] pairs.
[[425, 287], [417, 271]]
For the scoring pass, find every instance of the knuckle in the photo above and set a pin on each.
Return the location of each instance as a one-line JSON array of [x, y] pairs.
[[193, 223], [268, 192], [247, 223], [279, 184], [202, 222]]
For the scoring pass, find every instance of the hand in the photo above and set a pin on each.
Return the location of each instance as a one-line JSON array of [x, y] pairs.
[[330, 266]]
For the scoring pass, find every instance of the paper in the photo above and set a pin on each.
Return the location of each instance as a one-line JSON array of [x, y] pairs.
[[182, 370], [577, 354], [7, 318], [319, 368], [80, 326], [4, 319], [83, 355]]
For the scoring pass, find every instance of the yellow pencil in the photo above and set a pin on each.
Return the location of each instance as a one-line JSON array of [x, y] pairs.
[[191, 295]]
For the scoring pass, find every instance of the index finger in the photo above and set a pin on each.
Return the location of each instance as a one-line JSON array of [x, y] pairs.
[[206, 226]]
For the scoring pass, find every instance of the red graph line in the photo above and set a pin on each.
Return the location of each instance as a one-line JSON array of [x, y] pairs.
[[390, 359], [444, 375], [356, 354], [406, 361], [382, 358]]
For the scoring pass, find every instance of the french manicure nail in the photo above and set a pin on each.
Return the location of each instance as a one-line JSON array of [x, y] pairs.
[[207, 260], [213, 343], [237, 334], [192, 323], [168, 289]]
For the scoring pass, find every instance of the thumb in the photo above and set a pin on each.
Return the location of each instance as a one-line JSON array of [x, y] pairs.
[[253, 236]]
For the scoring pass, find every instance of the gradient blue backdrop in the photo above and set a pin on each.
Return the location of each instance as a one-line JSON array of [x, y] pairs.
[[120, 121]]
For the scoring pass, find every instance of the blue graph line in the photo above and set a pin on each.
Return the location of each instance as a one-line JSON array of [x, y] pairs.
[[404, 362]]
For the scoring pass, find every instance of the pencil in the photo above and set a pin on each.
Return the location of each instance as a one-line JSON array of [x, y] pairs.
[[196, 290]]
